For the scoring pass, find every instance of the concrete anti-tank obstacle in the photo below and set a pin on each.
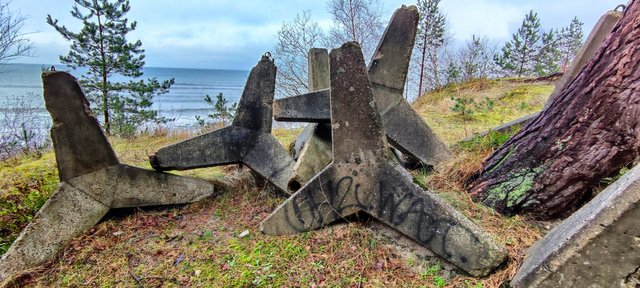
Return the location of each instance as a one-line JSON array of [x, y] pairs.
[[598, 34], [248, 140], [597, 246], [313, 146], [92, 181], [363, 177], [405, 129]]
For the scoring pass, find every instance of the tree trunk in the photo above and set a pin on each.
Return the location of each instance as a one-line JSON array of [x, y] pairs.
[[590, 131], [422, 59], [434, 63], [104, 90]]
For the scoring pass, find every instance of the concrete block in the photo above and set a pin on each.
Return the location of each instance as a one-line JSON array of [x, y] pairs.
[[318, 69], [255, 108], [318, 76], [219, 147], [122, 186], [302, 139], [363, 177], [270, 160], [520, 122], [248, 140], [67, 214], [309, 107], [315, 153], [597, 246], [80, 145], [388, 72], [92, 181]]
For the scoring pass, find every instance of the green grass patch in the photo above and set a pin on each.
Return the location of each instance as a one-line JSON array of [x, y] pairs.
[[509, 100], [26, 183], [490, 141]]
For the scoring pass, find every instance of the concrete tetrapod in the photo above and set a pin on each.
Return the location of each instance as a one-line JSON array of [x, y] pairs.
[[363, 177], [92, 181], [248, 140], [405, 129], [312, 148], [597, 246]]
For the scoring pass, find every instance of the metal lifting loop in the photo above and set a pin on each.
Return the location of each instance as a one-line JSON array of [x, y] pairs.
[[267, 55], [622, 7]]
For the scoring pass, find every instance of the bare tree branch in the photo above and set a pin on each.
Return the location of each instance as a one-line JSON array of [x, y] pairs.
[[20, 128], [295, 38], [13, 42], [356, 20]]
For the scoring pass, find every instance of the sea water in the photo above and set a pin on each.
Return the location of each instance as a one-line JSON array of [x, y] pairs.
[[183, 102]]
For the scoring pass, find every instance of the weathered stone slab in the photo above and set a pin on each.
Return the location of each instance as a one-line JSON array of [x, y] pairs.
[[598, 34], [598, 246], [388, 72], [363, 177], [93, 181], [248, 140]]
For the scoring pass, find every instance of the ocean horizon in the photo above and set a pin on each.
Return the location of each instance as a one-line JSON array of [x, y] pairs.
[[183, 102]]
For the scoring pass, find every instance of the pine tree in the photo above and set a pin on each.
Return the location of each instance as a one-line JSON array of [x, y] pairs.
[[453, 72], [548, 58], [588, 133], [102, 47], [429, 41], [518, 55], [570, 40], [223, 111]]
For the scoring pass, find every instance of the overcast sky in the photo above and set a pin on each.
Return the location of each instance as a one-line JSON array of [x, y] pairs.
[[232, 34]]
